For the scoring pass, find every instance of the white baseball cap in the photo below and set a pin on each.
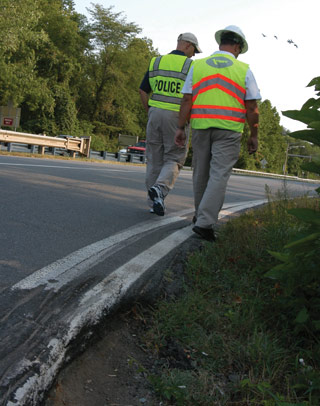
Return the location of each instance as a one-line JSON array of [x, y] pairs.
[[189, 37]]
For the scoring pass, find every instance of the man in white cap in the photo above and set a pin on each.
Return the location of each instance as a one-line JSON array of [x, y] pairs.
[[164, 81], [221, 93]]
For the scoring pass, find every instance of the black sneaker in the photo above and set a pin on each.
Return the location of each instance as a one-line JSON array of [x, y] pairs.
[[205, 233], [155, 192], [158, 206]]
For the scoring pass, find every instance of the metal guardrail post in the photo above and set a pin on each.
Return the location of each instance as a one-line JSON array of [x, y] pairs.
[[80, 145], [119, 157], [9, 147], [104, 155], [33, 149]]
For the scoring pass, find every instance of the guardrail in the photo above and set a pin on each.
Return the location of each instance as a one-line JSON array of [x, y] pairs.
[[271, 175], [128, 157], [72, 144]]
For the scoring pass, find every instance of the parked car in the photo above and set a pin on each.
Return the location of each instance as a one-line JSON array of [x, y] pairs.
[[138, 149]]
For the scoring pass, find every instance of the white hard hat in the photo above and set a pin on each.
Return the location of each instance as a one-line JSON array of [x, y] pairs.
[[238, 32]]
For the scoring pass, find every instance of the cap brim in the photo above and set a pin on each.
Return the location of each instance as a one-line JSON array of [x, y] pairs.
[[197, 49]]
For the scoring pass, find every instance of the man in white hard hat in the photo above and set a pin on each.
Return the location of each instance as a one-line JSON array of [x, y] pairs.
[[164, 81], [221, 93]]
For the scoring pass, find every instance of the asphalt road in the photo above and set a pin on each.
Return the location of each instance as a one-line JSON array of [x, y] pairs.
[[51, 208], [76, 238]]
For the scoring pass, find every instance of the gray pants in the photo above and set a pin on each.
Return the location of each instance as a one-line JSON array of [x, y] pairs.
[[164, 158], [215, 152]]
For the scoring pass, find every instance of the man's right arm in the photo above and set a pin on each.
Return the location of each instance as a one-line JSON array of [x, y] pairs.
[[144, 91], [144, 99], [184, 114], [253, 121]]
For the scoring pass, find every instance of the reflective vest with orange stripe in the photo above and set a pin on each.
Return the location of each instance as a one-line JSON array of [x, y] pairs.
[[218, 93]]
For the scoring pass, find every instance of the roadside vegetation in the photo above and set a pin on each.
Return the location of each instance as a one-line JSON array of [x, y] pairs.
[[245, 330], [241, 334]]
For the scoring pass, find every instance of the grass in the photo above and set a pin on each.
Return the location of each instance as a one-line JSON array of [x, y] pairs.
[[227, 340]]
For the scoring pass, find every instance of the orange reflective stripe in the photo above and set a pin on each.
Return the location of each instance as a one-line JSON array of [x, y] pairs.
[[219, 112], [218, 75], [209, 106], [216, 116], [222, 83], [229, 92]]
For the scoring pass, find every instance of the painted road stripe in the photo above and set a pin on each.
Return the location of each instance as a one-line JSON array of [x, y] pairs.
[[66, 167], [64, 270], [113, 288]]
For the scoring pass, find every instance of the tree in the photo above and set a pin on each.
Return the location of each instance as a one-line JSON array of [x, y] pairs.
[[272, 145], [21, 38], [116, 66]]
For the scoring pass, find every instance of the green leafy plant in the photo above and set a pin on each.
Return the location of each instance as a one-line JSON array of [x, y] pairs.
[[299, 272]]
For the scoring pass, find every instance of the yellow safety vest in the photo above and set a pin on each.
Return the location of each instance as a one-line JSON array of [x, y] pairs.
[[218, 92], [167, 75]]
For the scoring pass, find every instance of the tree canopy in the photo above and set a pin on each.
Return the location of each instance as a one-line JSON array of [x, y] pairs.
[[70, 75], [79, 76]]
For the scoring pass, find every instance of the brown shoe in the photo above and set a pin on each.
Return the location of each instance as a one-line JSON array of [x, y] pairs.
[[205, 233]]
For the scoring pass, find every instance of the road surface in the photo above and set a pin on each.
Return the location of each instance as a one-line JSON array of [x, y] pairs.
[[76, 240]]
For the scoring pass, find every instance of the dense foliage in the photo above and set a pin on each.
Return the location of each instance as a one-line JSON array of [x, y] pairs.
[[70, 75]]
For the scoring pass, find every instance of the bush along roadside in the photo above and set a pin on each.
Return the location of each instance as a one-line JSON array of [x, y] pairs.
[[231, 338]]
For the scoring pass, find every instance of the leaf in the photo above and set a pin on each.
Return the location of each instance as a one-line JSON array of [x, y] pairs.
[[279, 255], [315, 103], [302, 316], [316, 324], [315, 125], [275, 273], [307, 215], [315, 82], [305, 115], [304, 240], [307, 135]]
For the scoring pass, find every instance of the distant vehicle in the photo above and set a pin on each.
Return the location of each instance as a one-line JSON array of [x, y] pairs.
[[138, 149]]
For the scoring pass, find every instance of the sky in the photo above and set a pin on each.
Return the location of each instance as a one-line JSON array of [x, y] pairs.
[[282, 70]]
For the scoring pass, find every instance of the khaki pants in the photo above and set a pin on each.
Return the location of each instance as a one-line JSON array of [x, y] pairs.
[[164, 158], [215, 152]]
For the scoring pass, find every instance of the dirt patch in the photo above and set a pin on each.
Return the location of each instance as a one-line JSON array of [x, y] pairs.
[[111, 372], [114, 370]]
